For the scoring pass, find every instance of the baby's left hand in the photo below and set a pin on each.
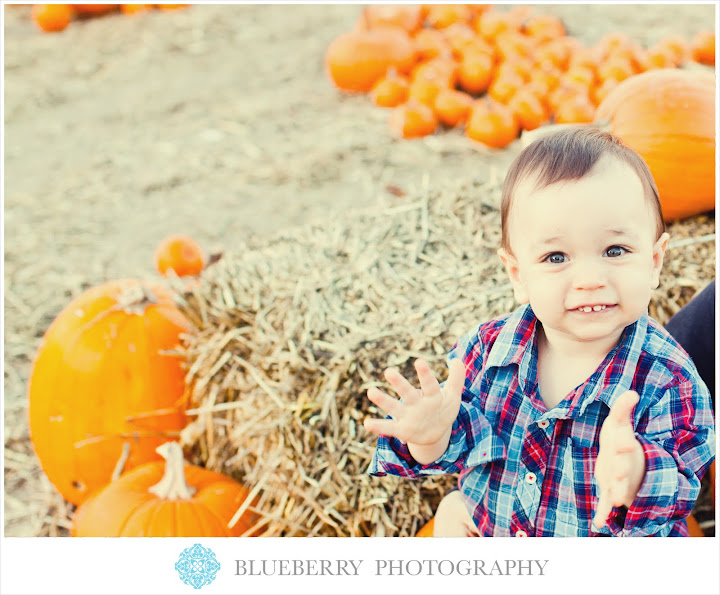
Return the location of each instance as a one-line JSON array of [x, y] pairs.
[[620, 464]]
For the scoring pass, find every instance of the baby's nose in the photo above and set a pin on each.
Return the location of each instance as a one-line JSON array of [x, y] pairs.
[[588, 276]]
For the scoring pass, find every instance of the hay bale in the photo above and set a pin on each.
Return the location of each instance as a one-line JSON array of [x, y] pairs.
[[292, 333]]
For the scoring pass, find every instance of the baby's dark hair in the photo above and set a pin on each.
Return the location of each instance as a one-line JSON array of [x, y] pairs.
[[569, 155]]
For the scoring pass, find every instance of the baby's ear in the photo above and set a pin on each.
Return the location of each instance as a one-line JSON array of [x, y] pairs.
[[513, 271], [658, 256]]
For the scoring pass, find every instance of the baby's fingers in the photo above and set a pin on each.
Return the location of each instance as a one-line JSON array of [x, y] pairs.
[[604, 507], [402, 387], [619, 490], [387, 403], [428, 383], [384, 427], [456, 379]]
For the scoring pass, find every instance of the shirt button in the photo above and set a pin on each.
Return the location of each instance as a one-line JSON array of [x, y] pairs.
[[543, 424], [531, 478], [520, 533]]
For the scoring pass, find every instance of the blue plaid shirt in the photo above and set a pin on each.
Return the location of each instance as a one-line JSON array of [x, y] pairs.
[[527, 471]]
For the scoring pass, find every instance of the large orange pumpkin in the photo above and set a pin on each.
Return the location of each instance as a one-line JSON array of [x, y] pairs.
[[668, 117], [103, 376], [170, 499], [427, 530], [356, 60]]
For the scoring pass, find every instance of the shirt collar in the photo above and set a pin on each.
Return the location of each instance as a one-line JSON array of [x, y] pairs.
[[516, 337], [614, 376], [617, 372]]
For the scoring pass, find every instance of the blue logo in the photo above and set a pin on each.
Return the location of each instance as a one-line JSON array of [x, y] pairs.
[[197, 566]]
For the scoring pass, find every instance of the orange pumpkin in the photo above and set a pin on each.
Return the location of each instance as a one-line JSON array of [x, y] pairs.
[[702, 47], [431, 43], [544, 27], [659, 57], [679, 48], [104, 376], [51, 18], [413, 119], [427, 529], [181, 254], [475, 72], [390, 91], [529, 109], [409, 18], [578, 109], [170, 499], [135, 8], [441, 16], [493, 124], [668, 117], [453, 107], [358, 59]]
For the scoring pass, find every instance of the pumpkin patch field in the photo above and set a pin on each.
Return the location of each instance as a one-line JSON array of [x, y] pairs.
[[222, 222]]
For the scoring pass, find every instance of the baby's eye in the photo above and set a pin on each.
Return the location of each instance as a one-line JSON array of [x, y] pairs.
[[615, 251], [555, 258]]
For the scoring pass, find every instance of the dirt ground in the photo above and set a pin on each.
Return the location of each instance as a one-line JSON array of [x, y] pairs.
[[216, 121]]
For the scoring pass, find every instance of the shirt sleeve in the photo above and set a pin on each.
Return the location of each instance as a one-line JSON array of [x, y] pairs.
[[678, 440], [472, 440]]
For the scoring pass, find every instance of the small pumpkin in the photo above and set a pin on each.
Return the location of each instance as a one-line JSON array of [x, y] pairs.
[[453, 107], [181, 254], [358, 59], [104, 376], [475, 72], [659, 57], [544, 27], [492, 23], [390, 91], [504, 86], [555, 51], [577, 109], [679, 48], [441, 16], [430, 43], [135, 8], [493, 124], [51, 18], [413, 119], [529, 109], [702, 47], [442, 70], [166, 499], [615, 67], [668, 117], [407, 17]]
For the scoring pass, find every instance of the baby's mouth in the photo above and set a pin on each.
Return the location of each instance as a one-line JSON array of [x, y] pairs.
[[593, 308]]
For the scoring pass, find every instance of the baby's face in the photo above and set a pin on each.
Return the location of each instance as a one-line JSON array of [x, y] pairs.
[[585, 253]]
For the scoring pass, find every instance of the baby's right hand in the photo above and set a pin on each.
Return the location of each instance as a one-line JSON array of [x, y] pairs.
[[424, 416]]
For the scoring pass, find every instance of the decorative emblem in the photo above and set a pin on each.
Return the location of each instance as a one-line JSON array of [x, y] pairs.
[[197, 566]]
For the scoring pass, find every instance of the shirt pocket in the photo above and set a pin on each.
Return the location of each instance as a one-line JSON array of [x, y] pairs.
[[579, 486]]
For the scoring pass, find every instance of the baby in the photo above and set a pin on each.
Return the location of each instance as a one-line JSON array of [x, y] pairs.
[[576, 414]]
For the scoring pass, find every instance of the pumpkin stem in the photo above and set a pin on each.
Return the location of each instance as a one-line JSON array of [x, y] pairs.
[[366, 19], [173, 485], [120, 465], [135, 298]]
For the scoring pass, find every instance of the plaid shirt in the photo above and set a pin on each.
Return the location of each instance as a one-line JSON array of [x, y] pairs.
[[527, 471]]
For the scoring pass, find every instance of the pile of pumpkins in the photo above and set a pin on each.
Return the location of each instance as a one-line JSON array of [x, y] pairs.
[[107, 400], [53, 18], [498, 73]]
